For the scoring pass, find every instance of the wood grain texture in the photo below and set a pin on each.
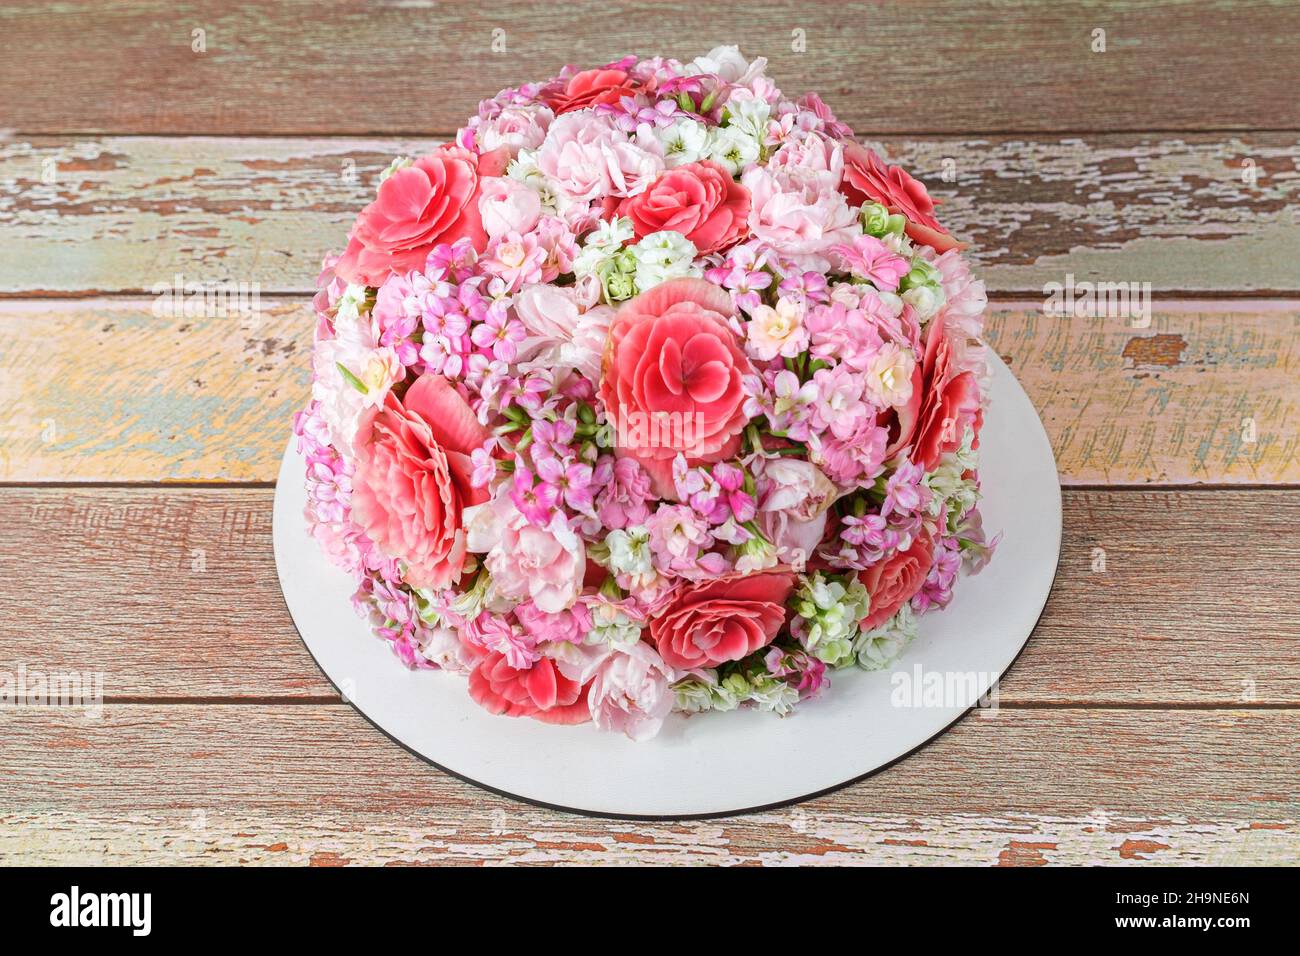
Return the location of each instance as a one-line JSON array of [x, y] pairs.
[[1207, 393], [227, 784], [172, 594], [124, 214], [307, 67]]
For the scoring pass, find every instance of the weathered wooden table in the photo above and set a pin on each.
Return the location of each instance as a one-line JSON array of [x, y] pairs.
[[1153, 716]]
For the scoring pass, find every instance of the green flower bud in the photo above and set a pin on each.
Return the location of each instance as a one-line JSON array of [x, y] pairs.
[[618, 286], [875, 219]]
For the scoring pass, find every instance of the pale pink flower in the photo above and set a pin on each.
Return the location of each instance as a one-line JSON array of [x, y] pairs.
[[858, 457], [493, 632], [679, 536], [514, 259], [586, 157], [809, 150], [794, 496], [506, 205], [515, 127], [839, 405], [888, 376], [525, 561], [631, 691], [569, 626], [799, 212], [776, 332], [965, 298]]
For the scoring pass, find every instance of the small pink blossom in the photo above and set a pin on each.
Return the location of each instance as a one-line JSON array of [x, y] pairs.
[[514, 259], [622, 501], [869, 258], [536, 501]]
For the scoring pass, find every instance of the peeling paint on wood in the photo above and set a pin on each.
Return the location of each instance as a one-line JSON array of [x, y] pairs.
[[272, 69], [123, 215], [1206, 394], [310, 838], [297, 785], [148, 397], [1130, 620]]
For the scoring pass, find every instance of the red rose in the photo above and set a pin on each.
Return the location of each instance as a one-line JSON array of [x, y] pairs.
[[540, 692], [868, 179], [412, 482], [948, 402], [591, 87], [712, 622], [894, 581], [434, 200], [699, 200], [671, 378]]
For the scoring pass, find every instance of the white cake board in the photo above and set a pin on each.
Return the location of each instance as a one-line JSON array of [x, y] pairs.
[[710, 764]]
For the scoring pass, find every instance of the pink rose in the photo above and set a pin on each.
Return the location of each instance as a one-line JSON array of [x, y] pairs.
[[506, 205], [950, 400], [434, 200], [539, 691], [868, 179], [412, 480], [712, 622], [593, 87], [699, 200], [894, 581], [672, 374]]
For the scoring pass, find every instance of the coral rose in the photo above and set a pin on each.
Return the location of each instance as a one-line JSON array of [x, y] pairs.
[[949, 402], [712, 622], [592, 87], [433, 200], [699, 200], [868, 179], [895, 580], [412, 480], [671, 378], [539, 691]]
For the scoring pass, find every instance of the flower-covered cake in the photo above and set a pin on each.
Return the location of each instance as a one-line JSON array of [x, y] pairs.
[[654, 391]]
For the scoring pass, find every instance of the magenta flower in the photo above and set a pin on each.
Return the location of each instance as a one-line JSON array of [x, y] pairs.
[[743, 275], [536, 502], [573, 481], [869, 258], [553, 439], [499, 334]]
